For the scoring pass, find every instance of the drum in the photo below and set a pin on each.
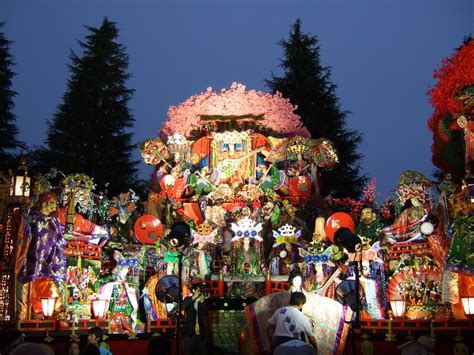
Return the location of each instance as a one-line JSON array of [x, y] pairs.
[[300, 186], [283, 185]]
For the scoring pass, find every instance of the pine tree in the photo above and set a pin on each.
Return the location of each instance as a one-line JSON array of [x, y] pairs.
[[9, 144], [308, 85], [88, 133]]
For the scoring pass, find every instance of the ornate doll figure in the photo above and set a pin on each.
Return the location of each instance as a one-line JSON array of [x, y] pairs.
[[120, 210], [369, 225], [247, 255], [202, 236], [122, 297], [297, 149], [41, 263], [413, 196], [295, 279], [77, 197], [234, 157], [285, 249], [179, 147]]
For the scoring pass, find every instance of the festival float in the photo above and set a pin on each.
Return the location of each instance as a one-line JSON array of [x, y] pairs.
[[238, 167]]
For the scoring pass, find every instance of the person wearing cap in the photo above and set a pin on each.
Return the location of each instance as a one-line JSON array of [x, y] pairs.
[[41, 263]]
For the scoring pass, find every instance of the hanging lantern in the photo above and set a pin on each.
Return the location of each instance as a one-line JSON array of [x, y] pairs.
[[468, 305], [47, 305], [398, 308], [20, 182], [99, 308]]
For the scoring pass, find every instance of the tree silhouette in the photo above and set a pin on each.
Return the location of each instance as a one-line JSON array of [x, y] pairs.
[[307, 84], [9, 143], [88, 133]]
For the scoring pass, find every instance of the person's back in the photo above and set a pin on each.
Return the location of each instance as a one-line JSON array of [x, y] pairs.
[[290, 322], [287, 324]]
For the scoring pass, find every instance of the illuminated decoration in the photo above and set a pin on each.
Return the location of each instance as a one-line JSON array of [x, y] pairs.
[[20, 182], [7, 288], [6, 301], [204, 233], [325, 154], [468, 306], [99, 308], [317, 258], [398, 307], [154, 151], [47, 306], [452, 122], [369, 254], [412, 185], [148, 229], [298, 146], [273, 112], [178, 145], [286, 234], [470, 187], [246, 228], [337, 221], [13, 213]]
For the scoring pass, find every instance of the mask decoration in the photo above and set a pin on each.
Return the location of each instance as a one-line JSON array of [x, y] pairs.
[[247, 228]]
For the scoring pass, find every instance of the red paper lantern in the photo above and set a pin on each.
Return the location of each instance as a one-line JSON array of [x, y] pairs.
[[336, 221]]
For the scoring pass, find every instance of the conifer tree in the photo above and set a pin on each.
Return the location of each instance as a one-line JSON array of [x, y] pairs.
[[9, 143], [307, 84], [88, 133]]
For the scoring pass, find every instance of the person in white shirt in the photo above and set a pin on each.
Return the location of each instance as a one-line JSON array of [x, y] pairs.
[[289, 323]]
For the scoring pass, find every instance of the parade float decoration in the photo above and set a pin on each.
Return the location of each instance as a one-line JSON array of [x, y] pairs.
[[238, 167], [452, 122]]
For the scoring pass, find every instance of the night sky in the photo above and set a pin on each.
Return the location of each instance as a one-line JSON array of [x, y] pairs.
[[382, 54]]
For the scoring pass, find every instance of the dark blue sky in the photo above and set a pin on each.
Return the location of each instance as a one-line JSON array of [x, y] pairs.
[[382, 54]]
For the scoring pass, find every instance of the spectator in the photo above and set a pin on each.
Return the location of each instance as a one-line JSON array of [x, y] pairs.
[[32, 348], [194, 329], [91, 349], [95, 337]]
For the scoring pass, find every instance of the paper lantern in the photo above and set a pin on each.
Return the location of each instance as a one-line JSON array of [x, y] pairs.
[[336, 221], [99, 308], [398, 307], [468, 306], [47, 306]]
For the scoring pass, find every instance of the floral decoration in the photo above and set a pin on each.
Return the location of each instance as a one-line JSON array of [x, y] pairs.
[[277, 112], [456, 73]]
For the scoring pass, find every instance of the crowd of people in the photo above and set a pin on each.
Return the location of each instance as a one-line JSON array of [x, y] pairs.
[[14, 343]]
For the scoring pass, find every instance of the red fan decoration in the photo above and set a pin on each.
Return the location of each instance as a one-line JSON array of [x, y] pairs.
[[423, 275]]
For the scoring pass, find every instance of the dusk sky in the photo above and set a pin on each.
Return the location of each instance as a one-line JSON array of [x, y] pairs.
[[382, 54]]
